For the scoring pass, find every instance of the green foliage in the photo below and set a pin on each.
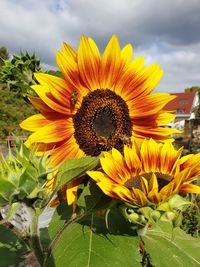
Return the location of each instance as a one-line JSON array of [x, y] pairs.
[[87, 234], [191, 219], [56, 73], [4, 55], [11, 248], [17, 73], [62, 215], [171, 247], [192, 89], [88, 242], [16, 77], [13, 110], [22, 177], [73, 168]]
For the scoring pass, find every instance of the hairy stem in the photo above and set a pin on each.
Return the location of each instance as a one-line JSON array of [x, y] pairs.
[[35, 242]]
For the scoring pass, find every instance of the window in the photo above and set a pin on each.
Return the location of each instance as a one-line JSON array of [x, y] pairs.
[[183, 101], [180, 111]]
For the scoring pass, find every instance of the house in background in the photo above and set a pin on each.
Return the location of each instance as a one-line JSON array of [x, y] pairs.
[[184, 106]]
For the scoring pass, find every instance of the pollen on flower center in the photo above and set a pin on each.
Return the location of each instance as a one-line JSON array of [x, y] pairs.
[[102, 122], [163, 179]]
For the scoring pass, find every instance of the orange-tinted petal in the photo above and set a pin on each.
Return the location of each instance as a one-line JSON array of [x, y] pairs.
[[69, 51], [40, 105], [68, 149], [34, 122], [148, 105], [110, 63], [157, 133], [71, 191], [89, 63], [116, 191], [53, 132], [190, 188], [44, 93], [150, 156]]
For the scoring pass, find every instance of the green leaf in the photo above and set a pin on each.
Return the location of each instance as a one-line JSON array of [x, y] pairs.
[[11, 248], [6, 188], [171, 247], [61, 215], [73, 168], [92, 198], [88, 243]]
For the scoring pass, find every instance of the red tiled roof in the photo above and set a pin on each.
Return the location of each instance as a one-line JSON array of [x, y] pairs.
[[182, 104]]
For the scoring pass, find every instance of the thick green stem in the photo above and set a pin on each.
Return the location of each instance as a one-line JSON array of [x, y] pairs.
[[35, 237]]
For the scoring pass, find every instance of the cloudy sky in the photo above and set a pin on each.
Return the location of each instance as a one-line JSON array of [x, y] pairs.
[[163, 31]]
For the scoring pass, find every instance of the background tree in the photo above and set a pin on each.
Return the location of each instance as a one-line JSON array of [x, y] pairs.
[[16, 77], [18, 73], [192, 89], [4, 55]]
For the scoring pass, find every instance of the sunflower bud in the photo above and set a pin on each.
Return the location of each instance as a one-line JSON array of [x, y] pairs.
[[155, 215], [178, 202], [22, 177], [178, 219]]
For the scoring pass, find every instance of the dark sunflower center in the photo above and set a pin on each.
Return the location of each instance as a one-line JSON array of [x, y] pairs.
[[102, 122], [163, 179]]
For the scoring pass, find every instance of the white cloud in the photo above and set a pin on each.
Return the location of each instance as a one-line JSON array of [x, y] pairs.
[[165, 32]]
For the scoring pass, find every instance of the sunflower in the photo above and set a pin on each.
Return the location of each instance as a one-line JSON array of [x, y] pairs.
[[152, 173], [101, 102]]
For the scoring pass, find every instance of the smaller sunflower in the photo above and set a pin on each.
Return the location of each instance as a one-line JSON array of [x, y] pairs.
[[149, 174]]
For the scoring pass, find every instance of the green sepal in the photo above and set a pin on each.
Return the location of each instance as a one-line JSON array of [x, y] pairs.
[[177, 202]]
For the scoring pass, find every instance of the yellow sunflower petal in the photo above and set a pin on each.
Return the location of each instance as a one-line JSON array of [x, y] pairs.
[[189, 188], [150, 155], [144, 184], [94, 48], [69, 68], [116, 191], [68, 149], [53, 132], [139, 197], [57, 86], [98, 176], [44, 93], [159, 119], [153, 195], [148, 105], [142, 82], [132, 160], [180, 178], [127, 54], [157, 133], [88, 63], [69, 51], [71, 190], [168, 157], [164, 118], [40, 105], [110, 63], [192, 162], [34, 122], [127, 80], [115, 174], [118, 160], [153, 184], [166, 192]]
